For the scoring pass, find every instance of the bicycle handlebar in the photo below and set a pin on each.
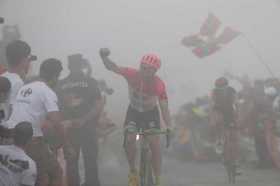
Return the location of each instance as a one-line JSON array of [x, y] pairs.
[[148, 132]]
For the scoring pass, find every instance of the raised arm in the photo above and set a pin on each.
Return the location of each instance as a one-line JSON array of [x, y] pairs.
[[108, 63]]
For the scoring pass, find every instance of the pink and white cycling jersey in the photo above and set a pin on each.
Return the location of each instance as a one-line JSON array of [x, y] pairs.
[[144, 96]]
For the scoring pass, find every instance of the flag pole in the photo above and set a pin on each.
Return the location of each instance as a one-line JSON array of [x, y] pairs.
[[258, 55]]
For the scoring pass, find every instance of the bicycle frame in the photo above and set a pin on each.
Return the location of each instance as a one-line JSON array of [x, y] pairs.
[[146, 172]]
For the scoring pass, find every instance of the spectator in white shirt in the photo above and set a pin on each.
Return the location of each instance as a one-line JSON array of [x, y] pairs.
[[16, 167], [19, 57]]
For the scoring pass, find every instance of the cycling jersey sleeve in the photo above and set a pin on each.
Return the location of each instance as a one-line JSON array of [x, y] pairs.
[[127, 72]]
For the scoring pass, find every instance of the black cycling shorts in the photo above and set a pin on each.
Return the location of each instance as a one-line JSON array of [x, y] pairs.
[[143, 120]]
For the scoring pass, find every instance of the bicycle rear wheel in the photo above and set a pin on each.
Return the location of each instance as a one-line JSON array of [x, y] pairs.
[[229, 156]]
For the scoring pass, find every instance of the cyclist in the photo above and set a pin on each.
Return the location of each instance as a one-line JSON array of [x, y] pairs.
[[146, 90], [225, 111]]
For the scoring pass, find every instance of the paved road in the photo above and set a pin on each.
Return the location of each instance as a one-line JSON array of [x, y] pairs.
[[113, 171], [178, 173]]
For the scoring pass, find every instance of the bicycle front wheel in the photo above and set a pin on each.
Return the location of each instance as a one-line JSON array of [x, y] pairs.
[[146, 172]]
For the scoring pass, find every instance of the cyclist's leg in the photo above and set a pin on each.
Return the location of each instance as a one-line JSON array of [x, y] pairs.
[[156, 156], [131, 151], [227, 154], [130, 146]]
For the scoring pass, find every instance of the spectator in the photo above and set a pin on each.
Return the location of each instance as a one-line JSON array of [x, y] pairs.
[[16, 167], [81, 103]]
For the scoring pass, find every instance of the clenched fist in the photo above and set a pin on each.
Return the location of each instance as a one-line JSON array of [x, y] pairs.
[[104, 52]]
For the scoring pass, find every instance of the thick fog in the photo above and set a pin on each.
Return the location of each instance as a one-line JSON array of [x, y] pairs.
[[130, 28]]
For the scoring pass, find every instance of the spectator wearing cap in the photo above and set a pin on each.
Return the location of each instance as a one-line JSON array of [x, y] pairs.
[[19, 57], [16, 167], [81, 104]]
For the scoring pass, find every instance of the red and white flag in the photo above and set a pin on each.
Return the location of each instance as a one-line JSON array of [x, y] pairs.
[[228, 35], [192, 41], [211, 25], [206, 50], [208, 41]]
